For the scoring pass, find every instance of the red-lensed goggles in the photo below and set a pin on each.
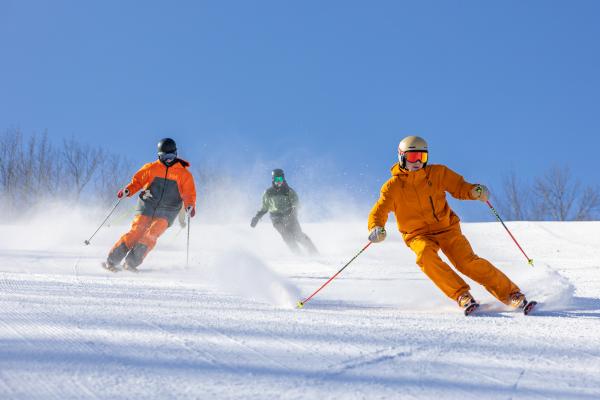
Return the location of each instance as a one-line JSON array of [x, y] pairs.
[[414, 156]]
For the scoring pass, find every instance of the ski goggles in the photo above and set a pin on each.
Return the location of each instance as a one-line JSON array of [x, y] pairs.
[[167, 157], [278, 179], [414, 156]]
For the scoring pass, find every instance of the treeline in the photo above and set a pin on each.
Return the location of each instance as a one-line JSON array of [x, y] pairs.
[[555, 196], [34, 170]]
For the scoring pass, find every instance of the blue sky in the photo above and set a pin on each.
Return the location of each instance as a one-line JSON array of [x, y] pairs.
[[333, 85]]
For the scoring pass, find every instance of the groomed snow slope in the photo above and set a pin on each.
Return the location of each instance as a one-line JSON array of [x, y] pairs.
[[226, 327]]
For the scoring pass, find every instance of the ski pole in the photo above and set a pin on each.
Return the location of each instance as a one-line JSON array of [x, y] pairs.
[[103, 222], [301, 304], [529, 260], [187, 251]]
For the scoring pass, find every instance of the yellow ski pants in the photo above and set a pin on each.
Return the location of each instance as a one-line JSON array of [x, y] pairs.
[[458, 250]]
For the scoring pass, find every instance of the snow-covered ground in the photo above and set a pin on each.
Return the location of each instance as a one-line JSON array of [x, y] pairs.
[[227, 326]]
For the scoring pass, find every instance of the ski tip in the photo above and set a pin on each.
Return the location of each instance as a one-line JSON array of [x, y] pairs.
[[86, 242], [130, 268], [299, 304], [529, 307], [109, 268], [471, 309]]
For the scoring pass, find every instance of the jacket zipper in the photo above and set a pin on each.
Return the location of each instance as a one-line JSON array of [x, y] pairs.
[[161, 193], [433, 209]]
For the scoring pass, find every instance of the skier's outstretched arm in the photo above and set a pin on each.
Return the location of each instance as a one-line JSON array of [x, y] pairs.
[[460, 189], [379, 214], [261, 212], [456, 185], [139, 180]]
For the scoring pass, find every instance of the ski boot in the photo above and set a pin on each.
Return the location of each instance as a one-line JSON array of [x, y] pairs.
[[135, 257], [115, 256], [467, 303], [110, 267], [130, 268], [519, 302]]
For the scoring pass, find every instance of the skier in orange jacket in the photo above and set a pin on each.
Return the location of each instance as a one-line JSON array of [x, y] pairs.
[[166, 185], [416, 193]]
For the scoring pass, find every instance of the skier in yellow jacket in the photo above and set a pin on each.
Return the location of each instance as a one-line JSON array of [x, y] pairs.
[[416, 193]]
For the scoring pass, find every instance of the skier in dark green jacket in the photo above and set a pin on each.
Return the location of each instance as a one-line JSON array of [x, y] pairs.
[[281, 201]]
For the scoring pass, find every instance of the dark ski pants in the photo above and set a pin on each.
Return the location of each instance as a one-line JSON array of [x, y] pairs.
[[289, 229]]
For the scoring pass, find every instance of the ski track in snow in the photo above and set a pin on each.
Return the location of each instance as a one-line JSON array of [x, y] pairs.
[[225, 328]]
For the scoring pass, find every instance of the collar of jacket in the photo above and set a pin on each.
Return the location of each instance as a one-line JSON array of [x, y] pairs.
[[281, 189], [411, 177], [399, 171]]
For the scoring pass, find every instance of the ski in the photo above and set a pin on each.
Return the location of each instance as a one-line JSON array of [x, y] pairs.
[[108, 267], [471, 308], [124, 267], [130, 268], [529, 307]]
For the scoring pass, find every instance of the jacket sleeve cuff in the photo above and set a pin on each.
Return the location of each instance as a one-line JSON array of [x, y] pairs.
[[470, 192], [131, 190]]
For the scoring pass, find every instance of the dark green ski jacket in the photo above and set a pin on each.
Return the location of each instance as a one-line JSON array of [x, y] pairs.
[[279, 201]]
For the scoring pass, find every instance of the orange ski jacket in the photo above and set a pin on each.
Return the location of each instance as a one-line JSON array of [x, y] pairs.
[[164, 189], [418, 199]]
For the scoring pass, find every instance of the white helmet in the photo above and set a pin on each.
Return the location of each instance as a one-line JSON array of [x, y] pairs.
[[411, 144]]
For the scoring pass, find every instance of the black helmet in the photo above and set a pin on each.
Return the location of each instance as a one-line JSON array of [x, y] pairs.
[[167, 150], [278, 177], [277, 172], [167, 145]]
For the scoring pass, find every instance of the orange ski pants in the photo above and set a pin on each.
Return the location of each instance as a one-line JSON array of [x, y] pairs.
[[458, 250], [145, 230]]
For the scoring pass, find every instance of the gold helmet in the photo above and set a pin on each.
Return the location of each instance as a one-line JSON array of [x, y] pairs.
[[412, 144]]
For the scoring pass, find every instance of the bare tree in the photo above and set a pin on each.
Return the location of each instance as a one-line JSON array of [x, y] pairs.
[[589, 204], [81, 162], [515, 204], [556, 196], [45, 167], [33, 170], [10, 148], [26, 192], [38, 169], [112, 175], [556, 193]]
